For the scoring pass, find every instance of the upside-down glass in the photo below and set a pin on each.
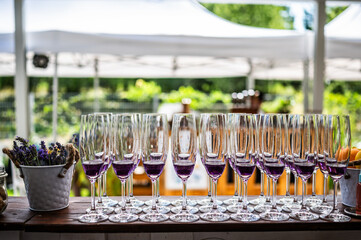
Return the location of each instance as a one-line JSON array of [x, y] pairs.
[[92, 146], [214, 153], [339, 136], [304, 150], [184, 154], [154, 155], [323, 144], [274, 141], [125, 147], [243, 132]]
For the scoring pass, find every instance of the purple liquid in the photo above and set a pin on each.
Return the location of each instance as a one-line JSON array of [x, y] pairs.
[[305, 169], [283, 159], [123, 168], [336, 171], [274, 169], [245, 169], [184, 169], [291, 164], [214, 168], [153, 169], [92, 169]]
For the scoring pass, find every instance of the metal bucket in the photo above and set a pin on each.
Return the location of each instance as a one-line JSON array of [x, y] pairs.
[[45, 190], [348, 187]]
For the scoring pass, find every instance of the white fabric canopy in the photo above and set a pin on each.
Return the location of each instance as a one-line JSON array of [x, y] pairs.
[[144, 27], [343, 34]]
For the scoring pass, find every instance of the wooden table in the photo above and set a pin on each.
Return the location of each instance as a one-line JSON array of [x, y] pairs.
[[18, 222]]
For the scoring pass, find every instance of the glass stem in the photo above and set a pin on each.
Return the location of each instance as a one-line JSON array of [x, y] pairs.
[[214, 194], [100, 189], [154, 193], [92, 190], [240, 190], [314, 183], [235, 184], [127, 184], [303, 194], [274, 203], [295, 189], [131, 186], [334, 195], [157, 188], [245, 194], [325, 177], [210, 184], [288, 182], [123, 195], [262, 184], [105, 184], [184, 196], [268, 198]]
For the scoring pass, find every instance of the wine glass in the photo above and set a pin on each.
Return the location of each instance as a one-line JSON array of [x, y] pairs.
[[304, 150], [236, 198], [92, 145], [184, 153], [104, 203], [287, 199], [214, 154], [273, 141], [243, 132], [154, 155], [339, 137], [321, 162], [125, 148]]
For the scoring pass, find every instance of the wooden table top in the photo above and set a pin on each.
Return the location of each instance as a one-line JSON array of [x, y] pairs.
[[18, 217]]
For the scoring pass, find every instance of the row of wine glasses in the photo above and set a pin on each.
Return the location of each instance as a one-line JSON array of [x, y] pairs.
[[272, 142]]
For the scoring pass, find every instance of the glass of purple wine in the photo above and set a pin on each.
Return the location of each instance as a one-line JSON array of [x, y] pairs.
[[273, 141], [339, 135], [154, 155], [304, 150], [125, 147], [323, 144], [243, 131], [184, 154], [214, 153], [92, 146], [104, 203]]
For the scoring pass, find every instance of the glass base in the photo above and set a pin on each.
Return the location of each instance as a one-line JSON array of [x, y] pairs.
[[295, 206], [245, 217], [274, 215], [313, 201], [102, 210], [215, 216], [153, 217], [93, 218], [265, 207], [321, 209], [160, 202], [304, 215], [184, 217], [135, 202], [258, 201], [179, 202], [336, 217], [128, 209], [209, 208], [285, 200], [231, 201], [177, 210], [123, 218], [109, 202], [160, 209], [235, 208], [208, 201]]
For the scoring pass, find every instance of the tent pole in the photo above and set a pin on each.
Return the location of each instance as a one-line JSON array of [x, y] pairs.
[[250, 79], [319, 57], [21, 85], [55, 98], [306, 67], [96, 85]]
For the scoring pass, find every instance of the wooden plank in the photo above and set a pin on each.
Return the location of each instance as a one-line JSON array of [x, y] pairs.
[[16, 214]]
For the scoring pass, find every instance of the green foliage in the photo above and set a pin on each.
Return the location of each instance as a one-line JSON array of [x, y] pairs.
[[143, 91], [332, 12], [267, 16], [278, 105]]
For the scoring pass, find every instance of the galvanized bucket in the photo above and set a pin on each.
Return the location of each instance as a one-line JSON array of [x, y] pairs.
[[348, 187]]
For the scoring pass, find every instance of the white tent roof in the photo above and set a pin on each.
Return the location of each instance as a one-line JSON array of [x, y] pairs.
[[343, 34], [144, 27]]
